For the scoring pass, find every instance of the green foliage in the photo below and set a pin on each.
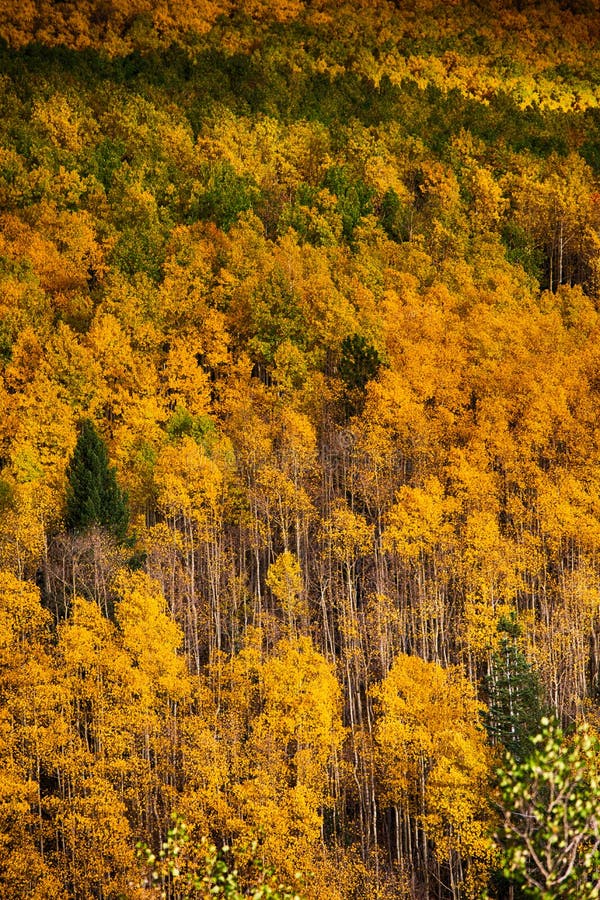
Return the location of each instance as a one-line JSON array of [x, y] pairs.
[[514, 695], [549, 801], [5, 343], [200, 428], [353, 195], [93, 495], [225, 195], [107, 158], [312, 216], [7, 495], [521, 251], [395, 216], [276, 317], [185, 869], [139, 249], [359, 364]]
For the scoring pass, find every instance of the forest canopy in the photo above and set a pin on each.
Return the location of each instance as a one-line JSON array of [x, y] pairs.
[[299, 446]]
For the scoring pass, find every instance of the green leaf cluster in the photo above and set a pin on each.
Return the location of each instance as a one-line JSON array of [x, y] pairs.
[[549, 802]]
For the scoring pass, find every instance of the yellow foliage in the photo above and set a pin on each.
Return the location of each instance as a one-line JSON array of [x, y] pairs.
[[279, 722], [349, 533], [149, 635], [435, 758], [420, 521], [185, 383], [23, 524], [63, 126], [22, 619], [189, 484], [284, 578]]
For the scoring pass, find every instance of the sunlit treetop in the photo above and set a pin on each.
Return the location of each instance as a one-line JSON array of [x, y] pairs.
[[541, 54]]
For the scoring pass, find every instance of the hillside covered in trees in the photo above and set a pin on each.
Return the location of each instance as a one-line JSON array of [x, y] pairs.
[[300, 443]]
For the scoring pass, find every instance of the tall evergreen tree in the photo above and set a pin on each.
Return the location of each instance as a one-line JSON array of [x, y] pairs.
[[514, 694], [93, 495], [359, 364]]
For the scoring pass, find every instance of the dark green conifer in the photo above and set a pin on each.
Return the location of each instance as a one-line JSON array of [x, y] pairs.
[[93, 495], [514, 694], [359, 364]]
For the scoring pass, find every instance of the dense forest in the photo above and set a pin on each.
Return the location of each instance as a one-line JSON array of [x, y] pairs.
[[300, 447]]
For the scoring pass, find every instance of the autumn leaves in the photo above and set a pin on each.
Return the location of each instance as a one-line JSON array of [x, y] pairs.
[[330, 303]]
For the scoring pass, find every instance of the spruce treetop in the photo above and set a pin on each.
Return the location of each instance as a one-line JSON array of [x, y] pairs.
[[93, 494]]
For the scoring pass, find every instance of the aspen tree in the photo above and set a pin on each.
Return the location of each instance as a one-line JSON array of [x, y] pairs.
[[437, 764]]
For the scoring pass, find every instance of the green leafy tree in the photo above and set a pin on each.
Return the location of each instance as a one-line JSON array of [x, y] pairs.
[[395, 216], [549, 802], [360, 362], [93, 495], [225, 196], [354, 198]]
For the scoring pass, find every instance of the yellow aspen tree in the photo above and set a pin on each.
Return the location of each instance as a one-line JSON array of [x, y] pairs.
[[153, 644], [185, 383], [40, 445], [123, 373], [284, 506], [28, 728], [73, 369], [279, 783], [126, 691], [436, 764], [419, 532], [205, 761], [555, 210], [188, 278], [190, 488], [284, 578], [348, 538], [487, 566], [105, 765]]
